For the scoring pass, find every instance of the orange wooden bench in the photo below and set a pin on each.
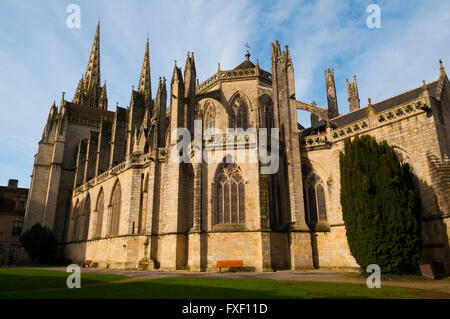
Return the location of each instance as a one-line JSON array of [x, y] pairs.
[[87, 263], [229, 264]]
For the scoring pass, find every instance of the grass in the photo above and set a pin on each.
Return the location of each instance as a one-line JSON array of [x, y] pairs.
[[31, 280], [39, 283]]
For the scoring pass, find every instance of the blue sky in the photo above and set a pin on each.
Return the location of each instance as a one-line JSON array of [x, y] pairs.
[[40, 56]]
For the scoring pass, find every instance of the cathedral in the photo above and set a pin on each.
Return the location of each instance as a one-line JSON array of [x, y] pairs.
[[105, 181]]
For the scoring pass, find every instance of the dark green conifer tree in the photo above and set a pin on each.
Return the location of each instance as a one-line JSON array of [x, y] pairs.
[[380, 207]]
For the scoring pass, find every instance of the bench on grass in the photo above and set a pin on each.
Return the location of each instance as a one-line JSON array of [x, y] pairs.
[[229, 264]]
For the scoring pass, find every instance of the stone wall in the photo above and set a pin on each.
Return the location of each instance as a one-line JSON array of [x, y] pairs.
[[414, 138]]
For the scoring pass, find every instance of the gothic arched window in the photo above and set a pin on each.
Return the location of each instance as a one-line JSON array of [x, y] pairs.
[[314, 197], [86, 217], [75, 222], [209, 120], [115, 210], [143, 206], [266, 117], [99, 219], [230, 195], [239, 114]]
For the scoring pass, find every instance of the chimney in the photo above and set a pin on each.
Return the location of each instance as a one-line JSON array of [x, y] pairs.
[[12, 183]]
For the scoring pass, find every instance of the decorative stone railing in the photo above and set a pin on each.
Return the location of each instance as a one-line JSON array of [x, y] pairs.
[[118, 168], [315, 140], [368, 123], [132, 160], [100, 178], [233, 74], [230, 141]]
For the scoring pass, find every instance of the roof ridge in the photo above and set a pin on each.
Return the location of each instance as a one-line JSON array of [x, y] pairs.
[[386, 99]]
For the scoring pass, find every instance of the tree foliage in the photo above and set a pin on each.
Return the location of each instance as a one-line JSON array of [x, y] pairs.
[[379, 206], [40, 243]]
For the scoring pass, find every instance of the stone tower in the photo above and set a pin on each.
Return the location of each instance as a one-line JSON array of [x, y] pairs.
[[67, 151], [283, 87], [89, 91]]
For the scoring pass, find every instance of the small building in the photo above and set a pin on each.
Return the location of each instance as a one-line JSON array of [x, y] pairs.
[[12, 210]]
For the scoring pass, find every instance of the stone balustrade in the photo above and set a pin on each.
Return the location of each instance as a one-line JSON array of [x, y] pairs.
[[233, 74], [368, 123]]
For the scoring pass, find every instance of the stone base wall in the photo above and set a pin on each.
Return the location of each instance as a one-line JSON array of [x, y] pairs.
[[245, 246], [201, 251], [333, 250], [118, 252]]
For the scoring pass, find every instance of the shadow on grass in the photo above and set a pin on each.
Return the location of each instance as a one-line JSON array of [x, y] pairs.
[[214, 288]]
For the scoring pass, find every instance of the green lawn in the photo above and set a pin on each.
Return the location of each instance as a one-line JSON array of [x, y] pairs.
[[37, 283], [31, 280]]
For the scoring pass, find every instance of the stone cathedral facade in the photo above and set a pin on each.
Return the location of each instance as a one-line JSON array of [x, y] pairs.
[[105, 183]]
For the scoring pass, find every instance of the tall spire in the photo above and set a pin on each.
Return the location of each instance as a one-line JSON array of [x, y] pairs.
[[145, 82], [89, 90], [92, 76]]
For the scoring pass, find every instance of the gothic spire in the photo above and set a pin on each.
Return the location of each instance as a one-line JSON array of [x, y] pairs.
[[145, 82], [92, 76]]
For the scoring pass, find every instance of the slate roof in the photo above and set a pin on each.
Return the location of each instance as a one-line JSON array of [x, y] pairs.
[[88, 113], [384, 104], [380, 106], [245, 65]]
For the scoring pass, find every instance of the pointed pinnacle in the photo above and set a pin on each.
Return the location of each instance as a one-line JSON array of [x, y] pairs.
[[441, 67], [94, 58], [145, 78]]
